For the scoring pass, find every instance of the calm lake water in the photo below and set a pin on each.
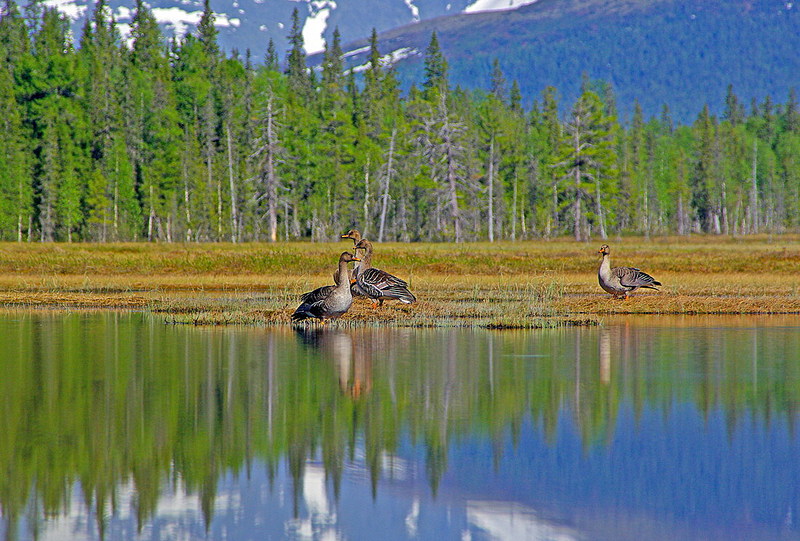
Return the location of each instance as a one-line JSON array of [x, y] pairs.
[[116, 426]]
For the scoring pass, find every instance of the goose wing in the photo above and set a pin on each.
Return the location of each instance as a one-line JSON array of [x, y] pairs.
[[318, 294], [633, 277], [308, 310], [376, 283]]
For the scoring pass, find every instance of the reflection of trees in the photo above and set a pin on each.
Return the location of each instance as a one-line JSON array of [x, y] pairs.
[[121, 400]]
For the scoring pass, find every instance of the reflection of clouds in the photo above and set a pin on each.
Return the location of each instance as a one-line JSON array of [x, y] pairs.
[[412, 519], [176, 510], [320, 522], [513, 521]]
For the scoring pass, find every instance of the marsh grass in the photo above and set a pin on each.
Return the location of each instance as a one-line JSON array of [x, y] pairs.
[[501, 285]]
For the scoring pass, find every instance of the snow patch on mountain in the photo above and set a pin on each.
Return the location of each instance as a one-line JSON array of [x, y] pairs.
[[496, 5], [386, 60], [68, 7], [176, 19], [413, 9], [356, 51], [316, 24]]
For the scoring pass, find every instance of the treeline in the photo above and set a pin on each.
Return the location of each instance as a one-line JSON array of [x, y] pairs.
[[115, 141]]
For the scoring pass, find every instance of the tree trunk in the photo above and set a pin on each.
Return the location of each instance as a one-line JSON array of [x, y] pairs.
[[150, 217], [388, 178], [451, 181], [754, 192], [514, 211], [491, 190], [234, 213], [600, 219], [365, 225], [576, 207], [272, 179]]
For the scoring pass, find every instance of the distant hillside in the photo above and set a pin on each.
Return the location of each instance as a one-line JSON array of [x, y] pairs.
[[682, 53], [250, 24]]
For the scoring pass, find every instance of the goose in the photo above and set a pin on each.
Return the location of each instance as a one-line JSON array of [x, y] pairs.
[[356, 236], [620, 281], [377, 284], [328, 302]]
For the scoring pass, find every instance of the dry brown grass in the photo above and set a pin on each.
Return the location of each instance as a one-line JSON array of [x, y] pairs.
[[501, 284]]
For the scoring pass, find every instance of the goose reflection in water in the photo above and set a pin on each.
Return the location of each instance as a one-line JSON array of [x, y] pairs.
[[605, 356], [351, 355]]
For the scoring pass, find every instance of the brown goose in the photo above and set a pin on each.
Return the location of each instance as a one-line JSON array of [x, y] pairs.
[[377, 284], [328, 302], [620, 281]]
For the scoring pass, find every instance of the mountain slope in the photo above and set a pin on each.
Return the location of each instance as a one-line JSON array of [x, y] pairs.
[[251, 24], [680, 52]]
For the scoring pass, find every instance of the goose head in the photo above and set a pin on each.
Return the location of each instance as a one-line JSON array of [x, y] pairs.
[[363, 244], [347, 257], [352, 234]]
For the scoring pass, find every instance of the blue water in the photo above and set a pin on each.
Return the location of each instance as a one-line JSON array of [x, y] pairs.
[[645, 432]]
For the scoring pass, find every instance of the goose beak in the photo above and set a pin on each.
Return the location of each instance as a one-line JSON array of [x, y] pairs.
[[345, 236], [356, 259]]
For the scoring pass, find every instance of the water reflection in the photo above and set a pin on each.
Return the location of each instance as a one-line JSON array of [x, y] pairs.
[[116, 426], [351, 355]]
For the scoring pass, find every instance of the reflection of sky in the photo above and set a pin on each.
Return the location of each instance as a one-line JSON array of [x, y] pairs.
[[672, 475]]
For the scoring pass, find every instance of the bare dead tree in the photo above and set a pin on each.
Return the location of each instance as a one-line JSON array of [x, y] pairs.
[[490, 187], [388, 172], [753, 214], [268, 155], [451, 150], [234, 214], [365, 225]]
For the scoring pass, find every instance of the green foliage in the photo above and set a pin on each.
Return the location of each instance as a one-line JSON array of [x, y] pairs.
[[107, 143]]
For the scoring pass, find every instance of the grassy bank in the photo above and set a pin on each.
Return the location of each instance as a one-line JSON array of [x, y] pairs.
[[524, 284]]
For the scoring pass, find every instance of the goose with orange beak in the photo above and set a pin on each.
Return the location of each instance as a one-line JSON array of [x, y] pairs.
[[620, 281]]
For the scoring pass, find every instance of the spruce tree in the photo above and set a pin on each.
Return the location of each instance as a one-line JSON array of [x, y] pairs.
[[296, 70], [16, 183], [271, 62], [14, 41], [435, 82], [207, 32], [497, 86]]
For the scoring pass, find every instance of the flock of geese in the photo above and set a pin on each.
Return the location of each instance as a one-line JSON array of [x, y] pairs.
[[364, 280]]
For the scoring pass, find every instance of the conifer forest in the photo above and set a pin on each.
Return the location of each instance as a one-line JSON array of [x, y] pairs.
[[105, 138]]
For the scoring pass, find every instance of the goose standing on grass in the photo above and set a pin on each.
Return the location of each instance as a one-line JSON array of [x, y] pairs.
[[376, 284], [620, 281], [328, 302]]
